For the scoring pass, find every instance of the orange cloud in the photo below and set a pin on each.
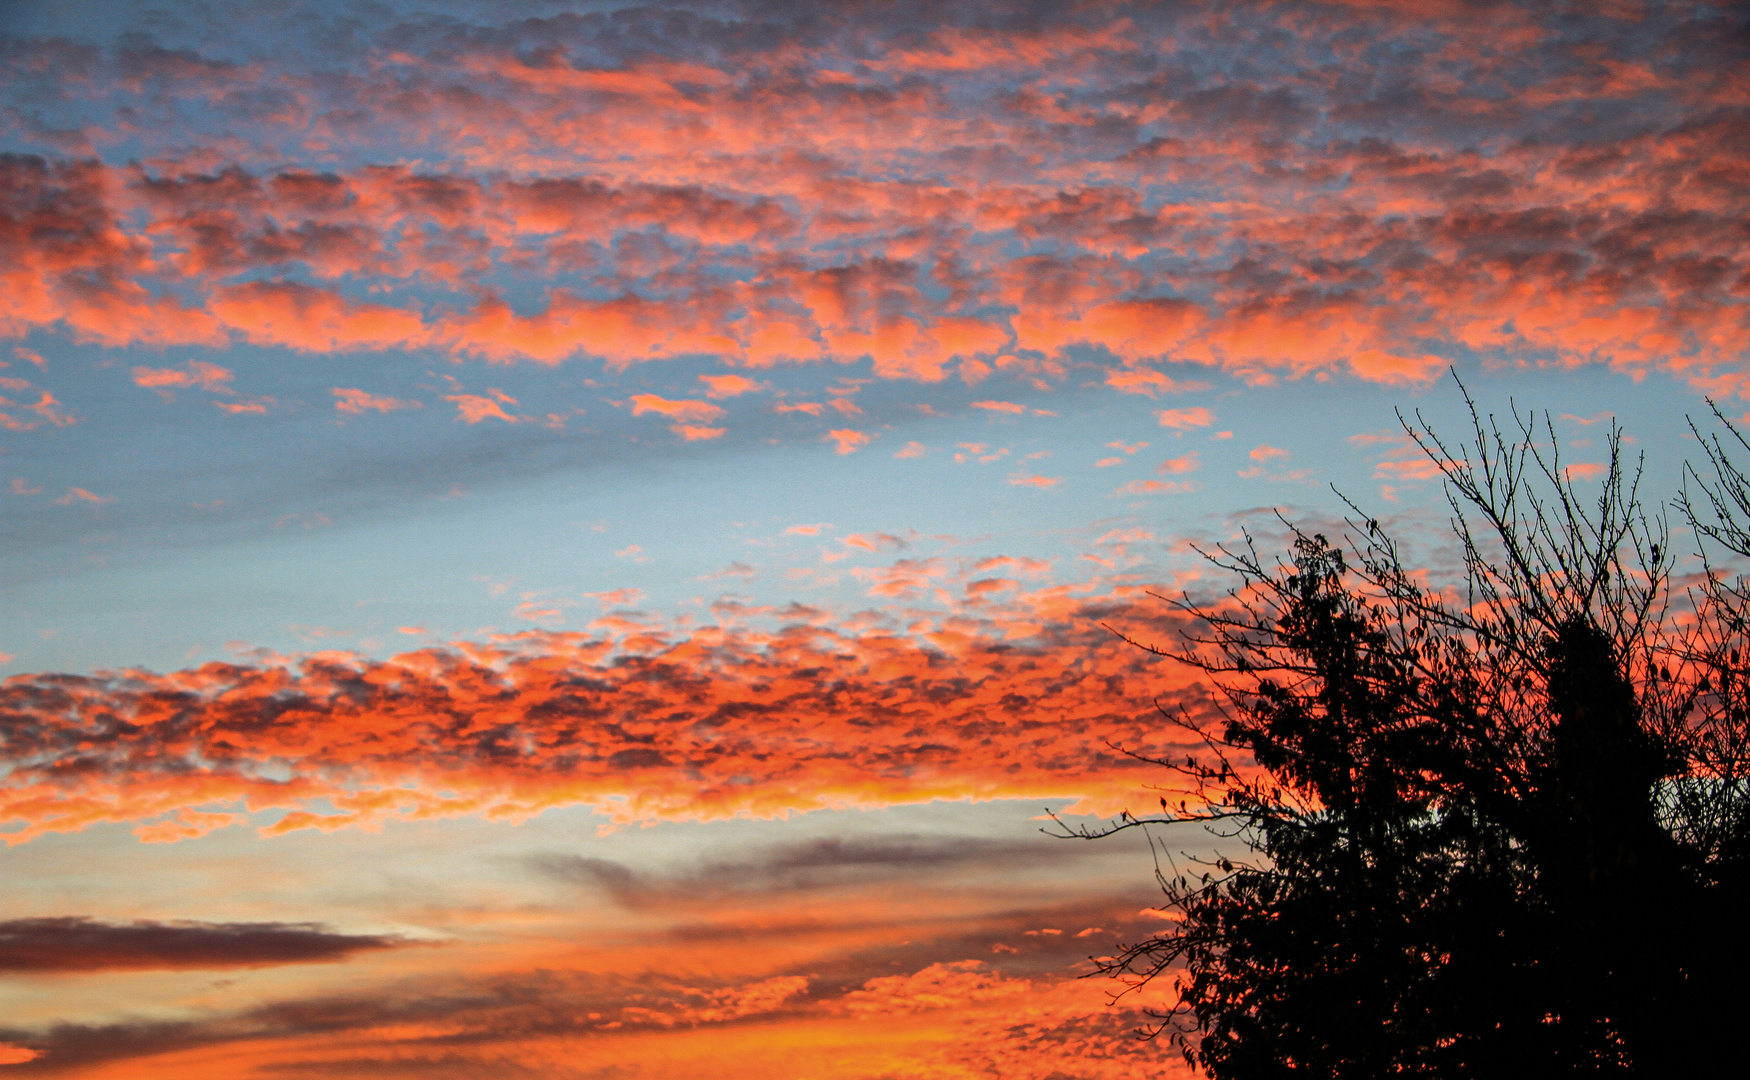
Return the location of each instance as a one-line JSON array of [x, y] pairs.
[[904, 578], [849, 441], [336, 741], [617, 597], [722, 386], [695, 411], [1018, 563], [472, 408], [938, 986], [196, 374], [315, 320], [623, 331], [253, 406], [690, 417], [1149, 382], [1263, 455]]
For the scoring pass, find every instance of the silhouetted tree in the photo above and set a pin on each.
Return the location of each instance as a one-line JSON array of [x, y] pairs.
[[1500, 829]]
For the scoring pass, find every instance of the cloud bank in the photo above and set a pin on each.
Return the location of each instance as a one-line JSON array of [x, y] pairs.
[[1016, 187]]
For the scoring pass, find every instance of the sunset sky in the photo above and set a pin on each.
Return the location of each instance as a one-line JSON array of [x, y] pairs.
[[578, 540]]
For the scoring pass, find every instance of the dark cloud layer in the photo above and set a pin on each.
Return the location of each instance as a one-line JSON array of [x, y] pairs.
[[74, 943], [831, 862], [474, 1017]]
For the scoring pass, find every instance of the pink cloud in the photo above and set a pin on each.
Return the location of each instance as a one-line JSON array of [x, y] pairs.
[[724, 386], [47, 409], [355, 401], [617, 597], [680, 411], [1182, 419], [906, 577], [1149, 382], [1017, 563], [873, 541], [1418, 467], [253, 406], [196, 374], [472, 408], [1156, 487], [1034, 480]]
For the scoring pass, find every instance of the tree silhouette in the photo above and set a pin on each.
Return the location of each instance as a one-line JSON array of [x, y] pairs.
[[1497, 829]]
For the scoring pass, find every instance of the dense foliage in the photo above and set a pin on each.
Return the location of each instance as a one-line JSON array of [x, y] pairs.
[[1497, 829]]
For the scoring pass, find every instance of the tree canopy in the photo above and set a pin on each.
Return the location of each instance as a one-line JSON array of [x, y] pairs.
[[1497, 828]]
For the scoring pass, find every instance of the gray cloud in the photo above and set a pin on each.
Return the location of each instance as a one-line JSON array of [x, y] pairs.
[[74, 943]]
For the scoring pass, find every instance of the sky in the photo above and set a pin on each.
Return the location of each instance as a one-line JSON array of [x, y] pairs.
[[583, 540]]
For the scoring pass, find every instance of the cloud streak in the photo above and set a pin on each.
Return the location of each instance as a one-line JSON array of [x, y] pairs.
[[72, 943]]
